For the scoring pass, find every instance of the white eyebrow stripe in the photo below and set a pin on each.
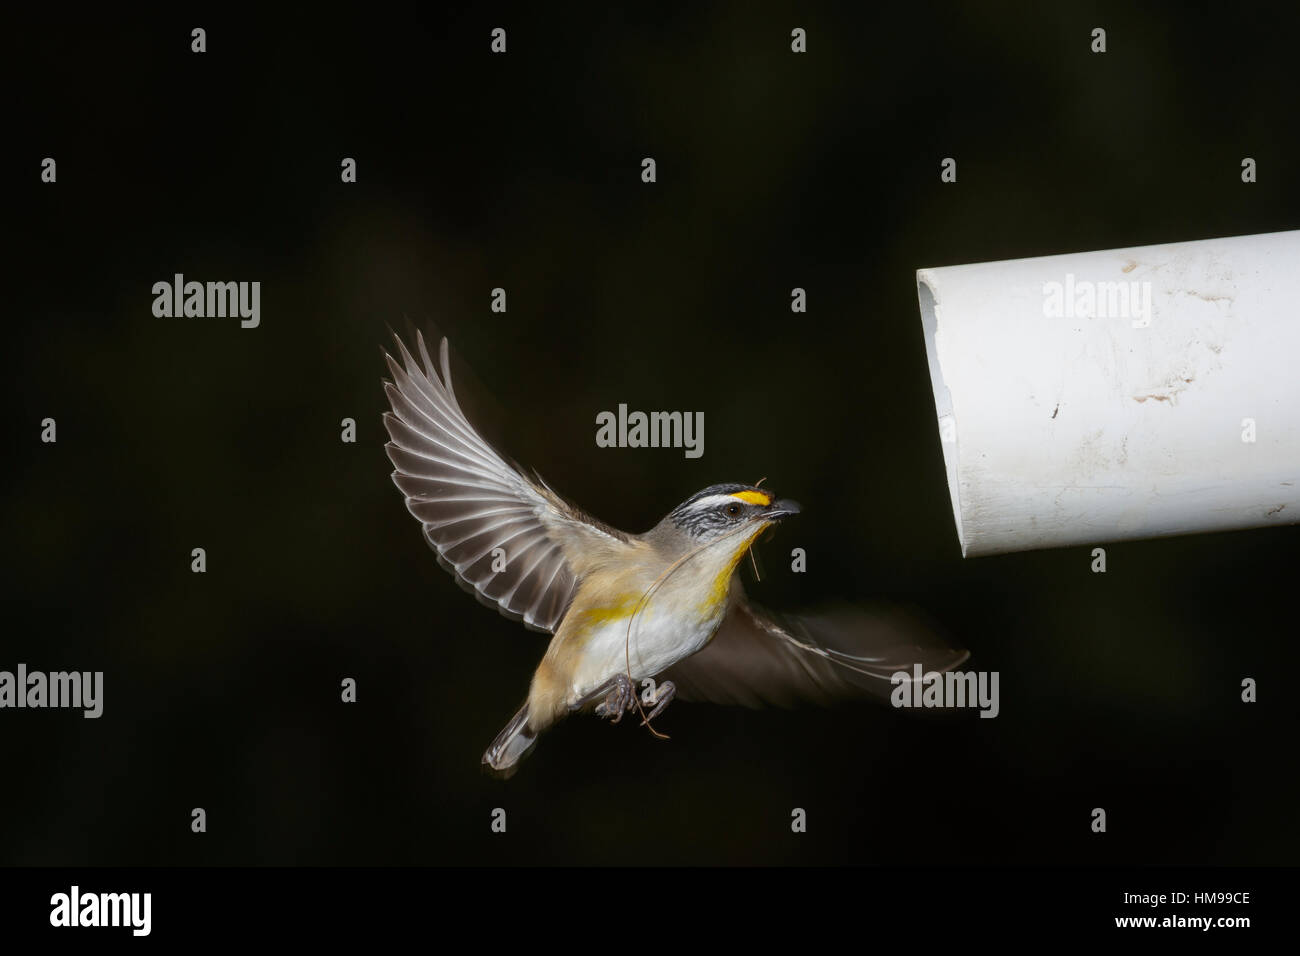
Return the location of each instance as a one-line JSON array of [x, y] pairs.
[[712, 501]]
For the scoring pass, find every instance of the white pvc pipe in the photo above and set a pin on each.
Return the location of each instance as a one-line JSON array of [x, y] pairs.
[[1109, 395]]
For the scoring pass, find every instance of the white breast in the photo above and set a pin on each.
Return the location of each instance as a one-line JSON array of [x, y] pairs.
[[664, 632]]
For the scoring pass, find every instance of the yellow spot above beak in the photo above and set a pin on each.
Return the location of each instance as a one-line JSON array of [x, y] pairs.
[[754, 497]]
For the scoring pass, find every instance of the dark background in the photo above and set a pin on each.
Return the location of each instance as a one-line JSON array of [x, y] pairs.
[[523, 171]]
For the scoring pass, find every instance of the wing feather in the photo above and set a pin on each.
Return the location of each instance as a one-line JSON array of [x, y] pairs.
[[757, 659], [470, 501]]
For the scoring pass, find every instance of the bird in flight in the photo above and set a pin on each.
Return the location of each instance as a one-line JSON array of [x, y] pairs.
[[663, 611]]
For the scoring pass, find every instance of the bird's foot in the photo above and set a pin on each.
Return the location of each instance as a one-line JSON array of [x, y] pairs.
[[616, 696], [662, 694]]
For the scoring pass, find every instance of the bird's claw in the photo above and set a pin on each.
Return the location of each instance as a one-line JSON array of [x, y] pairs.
[[620, 698], [663, 693]]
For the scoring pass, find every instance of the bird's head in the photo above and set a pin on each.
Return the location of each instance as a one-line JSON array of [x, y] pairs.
[[727, 510]]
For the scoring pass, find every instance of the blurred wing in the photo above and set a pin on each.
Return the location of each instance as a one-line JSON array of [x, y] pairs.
[[757, 660], [471, 502]]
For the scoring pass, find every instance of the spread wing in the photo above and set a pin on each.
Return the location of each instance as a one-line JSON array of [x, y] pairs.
[[470, 502], [756, 659]]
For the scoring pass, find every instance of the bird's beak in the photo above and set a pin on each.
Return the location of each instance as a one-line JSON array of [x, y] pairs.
[[782, 509]]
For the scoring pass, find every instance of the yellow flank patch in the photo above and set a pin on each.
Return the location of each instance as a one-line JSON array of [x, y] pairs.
[[754, 497], [591, 618]]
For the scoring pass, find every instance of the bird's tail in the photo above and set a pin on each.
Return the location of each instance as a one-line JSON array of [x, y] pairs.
[[511, 746]]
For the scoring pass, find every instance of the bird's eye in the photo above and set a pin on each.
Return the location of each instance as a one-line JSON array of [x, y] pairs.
[[733, 510]]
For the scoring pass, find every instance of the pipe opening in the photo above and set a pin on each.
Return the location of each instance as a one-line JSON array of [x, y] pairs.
[[942, 398]]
